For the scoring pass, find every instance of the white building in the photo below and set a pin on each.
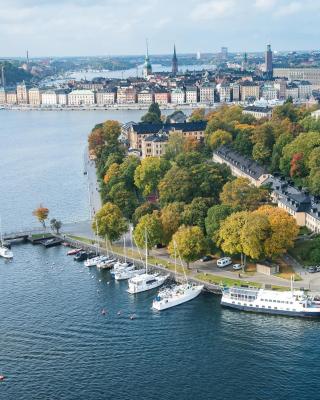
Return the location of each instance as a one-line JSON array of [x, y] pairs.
[[207, 93], [2, 96], [34, 97], [292, 91], [145, 97], [62, 98], [305, 90], [49, 98], [105, 97], [177, 96], [269, 92], [81, 98], [191, 95], [224, 93]]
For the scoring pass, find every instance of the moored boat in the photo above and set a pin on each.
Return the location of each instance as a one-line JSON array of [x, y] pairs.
[[178, 294], [73, 252]]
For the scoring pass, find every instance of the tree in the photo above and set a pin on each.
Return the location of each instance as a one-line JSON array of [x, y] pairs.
[[171, 219], [149, 225], [197, 115], [263, 139], [96, 141], [187, 160], [240, 193], [153, 116], [123, 198], [127, 170], [216, 214], [195, 213], [278, 147], [149, 173], [242, 142], [283, 230], [144, 209], [175, 145], [112, 176], [175, 186], [55, 225], [109, 222], [189, 242], [314, 181], [111, 131], [229, 235], [219, 138], [41, 213]]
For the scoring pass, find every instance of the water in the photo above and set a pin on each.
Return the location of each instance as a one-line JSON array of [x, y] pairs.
[[54, 342]]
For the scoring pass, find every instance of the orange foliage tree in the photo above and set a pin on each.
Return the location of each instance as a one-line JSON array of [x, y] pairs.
[[41, 213]]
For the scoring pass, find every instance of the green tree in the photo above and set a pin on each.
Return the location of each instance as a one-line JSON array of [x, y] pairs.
[[216, 214], [125, 199], [197, 115], [153, 116], [150, 225], [175, 145], [149, 173], [127, 171], [263, 139], [240, 193], [110, 222], [175, 186], [187, 160], [195, 213], [219, 138], [171, 219], [314, 181], [278, 147], [144, 209], [189, 242], [154, 108], [242, 142], [55, 225]]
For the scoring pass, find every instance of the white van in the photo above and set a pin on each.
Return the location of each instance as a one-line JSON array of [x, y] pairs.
[[224, 262]]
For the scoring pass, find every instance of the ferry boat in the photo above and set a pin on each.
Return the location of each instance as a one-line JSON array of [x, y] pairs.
[[295, 303]]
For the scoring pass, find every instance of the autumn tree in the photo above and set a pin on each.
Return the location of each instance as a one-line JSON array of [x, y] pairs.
[[96, 141], [219, 138], [144, 209], [125, 199], [110, 222], [175, 146], [149, 173], [176, 185], [150, 225], [283, 230], [112, 175], [197, 115], [171, 219], [189, 242], [111, 131], [263, 139], [216, 214], [241, 193], [41, 213]]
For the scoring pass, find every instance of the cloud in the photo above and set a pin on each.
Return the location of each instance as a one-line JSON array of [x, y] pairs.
[[265, 4], [212, 9], [288, 9]]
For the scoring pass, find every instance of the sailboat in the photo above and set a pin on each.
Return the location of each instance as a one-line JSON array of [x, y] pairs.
[[146, 281], [177, 294], [4, 251]]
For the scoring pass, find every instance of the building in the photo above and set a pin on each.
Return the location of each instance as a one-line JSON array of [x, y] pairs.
[[241, 166], [126, 95], [292, 91], [81, 98], [105, 97], [311, 75], [140, 131], [145, 96], [313, 215], [147, 68], [191, 94], [174, 62], [34, 97], [22, 93], [249, 91], [269, 62], [154, 145], [235, 87], [178, 117], [49, 98], [206, 92], [3, 97], [11, 97], [162, 97], [224, 54], [62, 97], [280, 85], [224, 93], [258, 112], [269, 92], [178, 96], [305, 90]]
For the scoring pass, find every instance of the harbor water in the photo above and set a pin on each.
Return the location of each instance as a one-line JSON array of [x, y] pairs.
[[55, 343]]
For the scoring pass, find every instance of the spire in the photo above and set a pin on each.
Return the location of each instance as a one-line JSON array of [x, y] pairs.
[[147, 46], [147, 69], [174, 61]]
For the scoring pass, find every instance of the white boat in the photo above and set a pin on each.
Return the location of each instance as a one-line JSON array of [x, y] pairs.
[[294, 303], [92, 262], [107, 264], [178, 294], [128, 273], [4, 251], [119, 266]]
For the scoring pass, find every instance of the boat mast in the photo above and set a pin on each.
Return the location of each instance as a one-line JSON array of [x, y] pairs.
[[146, 240], [124, 248]]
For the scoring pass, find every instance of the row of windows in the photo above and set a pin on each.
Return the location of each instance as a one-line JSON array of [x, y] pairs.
[[269, 307]]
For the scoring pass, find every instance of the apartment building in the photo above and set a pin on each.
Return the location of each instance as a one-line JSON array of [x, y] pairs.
[[178, 96], [105, 97], [34, 97], [206, 91], [81, 98], [11, 97], [224, 93], [3, 97], [311, 75], [126, 95], [154, 145], [145, 96], [49, 98], [191, 94], [22, 94], [258, 112], [249, 90], [162, 97]]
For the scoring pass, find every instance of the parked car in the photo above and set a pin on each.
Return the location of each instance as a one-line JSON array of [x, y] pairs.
[[206, 258], [312, 270], [318, 268], [224, 262], [237, 267]]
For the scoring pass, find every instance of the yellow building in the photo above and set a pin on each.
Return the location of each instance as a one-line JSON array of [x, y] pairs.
[[34, 97], [249, 90]]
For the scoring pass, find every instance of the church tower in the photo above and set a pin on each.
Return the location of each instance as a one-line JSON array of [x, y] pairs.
[[147, 68], [174, 62]]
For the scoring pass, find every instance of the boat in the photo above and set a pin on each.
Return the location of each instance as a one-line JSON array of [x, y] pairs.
[[294, 303], [146, 281], [83, 255], [128, 273], [4, 251], [92, 262], [107, 264], [178, 293], [73, 252]]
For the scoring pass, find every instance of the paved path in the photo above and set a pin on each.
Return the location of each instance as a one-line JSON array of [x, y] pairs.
[[93, 187]]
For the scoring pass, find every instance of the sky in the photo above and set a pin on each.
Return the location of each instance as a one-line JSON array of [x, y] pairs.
[[119, 27]]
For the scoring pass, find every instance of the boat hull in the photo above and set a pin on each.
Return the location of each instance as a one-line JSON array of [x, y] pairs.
[[164, 304], [301, 314], [133, 289]]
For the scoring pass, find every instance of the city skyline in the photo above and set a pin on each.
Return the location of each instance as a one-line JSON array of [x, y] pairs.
[[76, 27]]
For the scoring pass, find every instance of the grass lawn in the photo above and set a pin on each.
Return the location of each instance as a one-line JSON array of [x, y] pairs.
[[215, 279], [41, 235], [286, 271], [302, 250]]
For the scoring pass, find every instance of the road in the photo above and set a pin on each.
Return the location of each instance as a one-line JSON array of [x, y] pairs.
[[93, 188]]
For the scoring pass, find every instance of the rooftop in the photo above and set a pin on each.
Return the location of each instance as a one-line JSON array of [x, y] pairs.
[[142, 128]]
